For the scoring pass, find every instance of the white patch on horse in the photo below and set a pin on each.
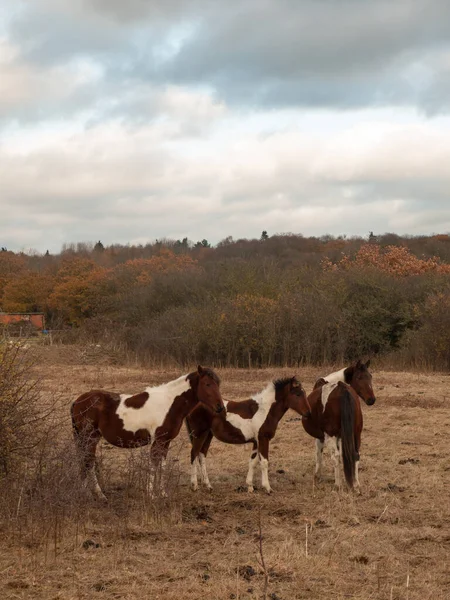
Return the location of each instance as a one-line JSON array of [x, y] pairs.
[[265, 474], [250, 427], [336, 376], [194, 484], [204, 472], [327, 388], [152, 414], [335, 446]]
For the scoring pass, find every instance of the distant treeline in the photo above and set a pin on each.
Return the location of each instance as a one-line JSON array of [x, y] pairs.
[[278, 300]]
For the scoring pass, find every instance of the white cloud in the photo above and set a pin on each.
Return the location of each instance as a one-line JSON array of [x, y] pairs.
[[120, 183]]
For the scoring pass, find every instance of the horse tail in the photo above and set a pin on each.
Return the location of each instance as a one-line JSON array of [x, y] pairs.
[[347, 405]]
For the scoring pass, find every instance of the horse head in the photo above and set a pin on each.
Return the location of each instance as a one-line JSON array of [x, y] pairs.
[[205, 384], [293, 396], [359, 377]]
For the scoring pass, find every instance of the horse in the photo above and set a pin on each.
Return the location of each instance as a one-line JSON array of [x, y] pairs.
[[336, 418], [254, 420], [154, 416]]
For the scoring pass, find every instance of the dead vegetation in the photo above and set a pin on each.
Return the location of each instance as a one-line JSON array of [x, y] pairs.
[[303, 541]]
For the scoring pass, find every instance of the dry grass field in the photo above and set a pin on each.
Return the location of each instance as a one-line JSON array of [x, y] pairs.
[[392, 542]]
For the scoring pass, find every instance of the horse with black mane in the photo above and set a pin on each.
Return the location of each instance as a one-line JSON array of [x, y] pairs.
[[336, 418], [254, 420], [153, 416]]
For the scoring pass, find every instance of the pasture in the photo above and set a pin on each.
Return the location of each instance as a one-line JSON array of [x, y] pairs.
[[303, 541]]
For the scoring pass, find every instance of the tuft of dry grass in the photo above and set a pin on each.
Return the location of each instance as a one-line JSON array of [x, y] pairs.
[[303, 541]]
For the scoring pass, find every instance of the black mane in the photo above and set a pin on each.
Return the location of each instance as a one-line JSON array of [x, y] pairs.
[[280, 383]]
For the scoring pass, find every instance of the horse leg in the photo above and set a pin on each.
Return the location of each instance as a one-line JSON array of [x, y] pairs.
[[202, 459], [158, 454], [86, 444], [196, 448], [319, 456], [336, 456], [89, 469], [263, 448], [251, 467], [357, 447]]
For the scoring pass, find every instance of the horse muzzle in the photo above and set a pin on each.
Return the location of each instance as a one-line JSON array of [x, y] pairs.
[[219, 409], [370, 401], [306, 415]]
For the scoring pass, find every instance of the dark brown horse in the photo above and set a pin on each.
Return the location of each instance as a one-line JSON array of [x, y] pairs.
[[255, 420], [336, 418], [153, 416]]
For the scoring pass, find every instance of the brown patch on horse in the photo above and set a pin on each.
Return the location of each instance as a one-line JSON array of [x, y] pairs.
[[246, 409], [320, 383], [137, 401]]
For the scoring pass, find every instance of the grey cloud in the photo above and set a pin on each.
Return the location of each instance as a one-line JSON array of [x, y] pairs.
[[259, 53], [136, 10], [314, 53]]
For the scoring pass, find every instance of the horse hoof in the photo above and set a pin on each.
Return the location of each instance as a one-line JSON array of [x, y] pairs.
[[250, 489], [194, 487], [209, 488], [269, 491]]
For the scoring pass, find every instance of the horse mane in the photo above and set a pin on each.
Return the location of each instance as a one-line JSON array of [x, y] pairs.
[[280, 383]]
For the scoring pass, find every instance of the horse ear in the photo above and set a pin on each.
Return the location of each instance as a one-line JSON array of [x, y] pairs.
[[294, 382], [358, 364], [200, 369], [367, 364]]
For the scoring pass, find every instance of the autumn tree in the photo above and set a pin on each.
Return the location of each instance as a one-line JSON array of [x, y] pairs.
[[79, 288], [27, 292], [397, 261], [10, 266]]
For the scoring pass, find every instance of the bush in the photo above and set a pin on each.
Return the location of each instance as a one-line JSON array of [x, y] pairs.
[[428, 346], [20, 421]]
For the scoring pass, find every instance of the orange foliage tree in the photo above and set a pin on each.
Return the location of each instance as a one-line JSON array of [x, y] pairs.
[[393, 260], [78, 289], [27, 292], [10, 265]]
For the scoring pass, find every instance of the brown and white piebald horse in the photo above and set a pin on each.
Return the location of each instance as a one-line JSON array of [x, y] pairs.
[[336, 419], [153, 416], [254, 420]]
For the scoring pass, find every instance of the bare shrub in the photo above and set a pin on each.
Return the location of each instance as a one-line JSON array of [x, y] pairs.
[[49, 509], [44, 503], [22, 424], [427, 347]]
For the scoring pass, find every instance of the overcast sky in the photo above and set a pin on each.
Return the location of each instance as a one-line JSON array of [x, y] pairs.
[[127, 121]]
